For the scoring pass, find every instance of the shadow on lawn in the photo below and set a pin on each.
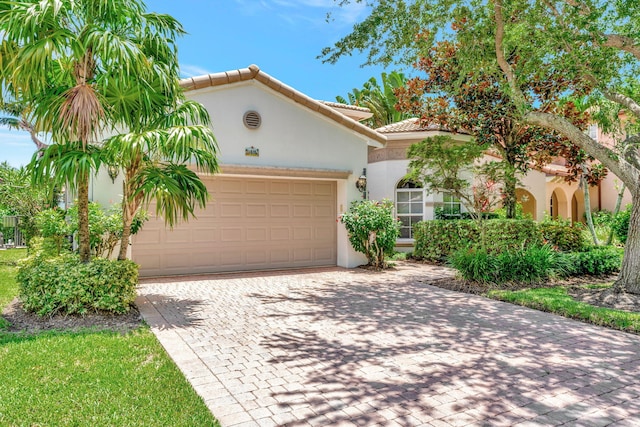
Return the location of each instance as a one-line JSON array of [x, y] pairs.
[[390, 343]]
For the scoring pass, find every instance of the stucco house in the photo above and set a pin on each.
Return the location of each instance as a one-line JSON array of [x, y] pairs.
[[289, 167]]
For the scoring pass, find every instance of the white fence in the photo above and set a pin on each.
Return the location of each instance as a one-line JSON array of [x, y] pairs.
[[14, 238]]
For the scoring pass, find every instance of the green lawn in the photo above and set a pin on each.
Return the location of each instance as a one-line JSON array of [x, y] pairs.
[[90, 378], [8, 287], [556, 300]]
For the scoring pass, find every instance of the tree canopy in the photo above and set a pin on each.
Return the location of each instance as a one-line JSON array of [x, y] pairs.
[[591, 44]]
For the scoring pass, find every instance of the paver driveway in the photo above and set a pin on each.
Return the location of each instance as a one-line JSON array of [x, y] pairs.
[[352, 347]]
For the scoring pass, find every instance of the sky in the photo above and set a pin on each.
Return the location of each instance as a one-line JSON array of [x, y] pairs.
[[282, 37]]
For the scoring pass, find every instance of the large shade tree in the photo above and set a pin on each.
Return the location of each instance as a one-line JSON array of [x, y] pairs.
[[85, 68], [593, 42], [472, 101]]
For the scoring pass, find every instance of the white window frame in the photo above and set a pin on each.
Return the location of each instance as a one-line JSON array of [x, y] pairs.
[[416, 207], [452, 206]]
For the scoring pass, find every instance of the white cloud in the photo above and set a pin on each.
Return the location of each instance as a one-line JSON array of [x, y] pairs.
[[188, 70], [314, 11]]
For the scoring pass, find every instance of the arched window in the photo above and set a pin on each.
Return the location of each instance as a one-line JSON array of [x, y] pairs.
[[409, 206]]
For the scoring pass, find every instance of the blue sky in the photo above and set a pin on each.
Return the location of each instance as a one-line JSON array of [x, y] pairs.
[[282, 37]]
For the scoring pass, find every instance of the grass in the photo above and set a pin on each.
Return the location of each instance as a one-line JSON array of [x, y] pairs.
[[90, 378], [556, 300], [8, 285]]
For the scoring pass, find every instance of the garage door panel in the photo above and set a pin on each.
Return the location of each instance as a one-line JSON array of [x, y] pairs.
[[232, 234], [180, 235], [256, 187], [302, 211], [324, 212], [303, 188], [204, 235], [280, 210], [255, 210], [280, 187], [302, 233], [257, 234], [302, 255], [323, 189], [280, 233], [248, 224], [231, 210]]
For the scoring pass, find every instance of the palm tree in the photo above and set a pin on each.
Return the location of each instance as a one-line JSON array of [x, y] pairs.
[[153, 159], [86, 68], [381, 100]]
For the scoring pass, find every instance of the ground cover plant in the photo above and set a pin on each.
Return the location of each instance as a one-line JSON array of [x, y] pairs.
[[557, 300], [89, 377]]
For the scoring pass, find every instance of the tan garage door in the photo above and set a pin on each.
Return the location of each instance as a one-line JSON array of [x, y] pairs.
[[249, 224]]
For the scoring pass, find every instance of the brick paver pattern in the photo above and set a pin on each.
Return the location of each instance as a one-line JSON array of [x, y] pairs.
[[353, 347]]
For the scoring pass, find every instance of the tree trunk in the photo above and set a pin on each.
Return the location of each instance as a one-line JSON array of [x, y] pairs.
[[84, 242], [510, 200], [127, 218], [587, 210], [629, 278], [616, 211]]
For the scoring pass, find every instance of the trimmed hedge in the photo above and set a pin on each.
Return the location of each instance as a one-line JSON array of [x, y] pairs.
[[563, 235], [65, 285], [436, 240], [597, 261]]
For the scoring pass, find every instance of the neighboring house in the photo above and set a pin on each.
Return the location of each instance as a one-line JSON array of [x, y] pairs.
[[541, 192], [289, 166]]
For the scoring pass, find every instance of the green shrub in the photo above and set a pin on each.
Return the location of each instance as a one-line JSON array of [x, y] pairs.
[[436, 240], [54, 229], [620, 224], [372, 229], [531, 264], [563, 235], [512, 234], [65, 285], [597, 261]]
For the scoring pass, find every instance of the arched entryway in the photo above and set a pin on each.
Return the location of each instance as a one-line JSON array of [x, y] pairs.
[[577, 206], [558, 205], [528, 202]]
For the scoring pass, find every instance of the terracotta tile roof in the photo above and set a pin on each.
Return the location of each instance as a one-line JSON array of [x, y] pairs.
[[253, 72], [345, 106], [413, 125]]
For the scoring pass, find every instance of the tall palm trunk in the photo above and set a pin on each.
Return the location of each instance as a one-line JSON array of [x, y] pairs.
[[84, 242]]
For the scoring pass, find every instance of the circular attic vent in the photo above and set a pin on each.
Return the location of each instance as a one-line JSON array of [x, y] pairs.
[[252, 119]]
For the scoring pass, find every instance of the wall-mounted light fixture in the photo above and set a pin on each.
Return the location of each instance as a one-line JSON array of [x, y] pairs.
[[113, 171], [361, 183]]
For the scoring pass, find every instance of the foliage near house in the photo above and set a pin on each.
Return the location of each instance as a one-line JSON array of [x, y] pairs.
[[528, 264], [381, 100], [19, 197], [88, 67], [462, 100], [590, 47], [437, 240], [563, 234], [64, 284], [372, 229]]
